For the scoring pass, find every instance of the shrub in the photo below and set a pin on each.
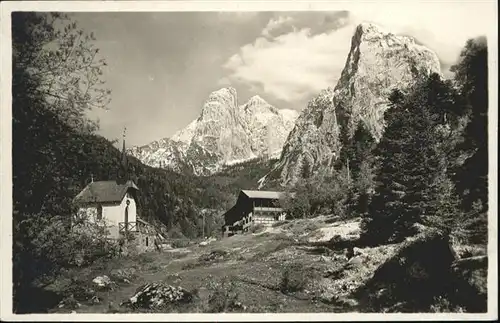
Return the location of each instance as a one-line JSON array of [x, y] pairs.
[[80, 289], [181, 243], [322, 193], [443, 305], [294, 279], [257, 228], [215, 255], [223, 296]]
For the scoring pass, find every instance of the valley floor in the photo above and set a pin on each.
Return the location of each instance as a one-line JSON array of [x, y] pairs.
[[284, 268]]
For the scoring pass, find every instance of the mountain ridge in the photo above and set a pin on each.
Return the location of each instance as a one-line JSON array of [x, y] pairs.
[[223, 134]]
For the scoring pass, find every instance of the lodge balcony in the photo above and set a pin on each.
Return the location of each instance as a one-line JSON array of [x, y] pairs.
[[267, 209], [127, 226]]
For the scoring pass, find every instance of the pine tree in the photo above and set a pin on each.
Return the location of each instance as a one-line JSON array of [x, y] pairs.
[[412, 161], [471, 75], [364, 185], [387, 204], [446, 215], [358, 156], [357, 149]]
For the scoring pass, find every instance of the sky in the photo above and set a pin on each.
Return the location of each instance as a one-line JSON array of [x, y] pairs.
[[163, 65]]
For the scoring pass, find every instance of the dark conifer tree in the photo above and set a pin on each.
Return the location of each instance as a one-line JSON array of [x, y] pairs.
[[471, 75], [413, 161]]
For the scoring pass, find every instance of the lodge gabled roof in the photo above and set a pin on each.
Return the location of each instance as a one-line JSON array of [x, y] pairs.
[[104, 192]]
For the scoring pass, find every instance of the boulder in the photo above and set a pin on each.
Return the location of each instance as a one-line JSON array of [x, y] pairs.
[[158, 294], [102, 282], [69, 303], [358, 251], [355, 261], [324, 259]]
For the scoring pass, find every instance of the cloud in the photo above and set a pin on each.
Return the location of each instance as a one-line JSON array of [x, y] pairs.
[[289, 60], [316, 22], [291, 66], [276, 24], [298, 54]]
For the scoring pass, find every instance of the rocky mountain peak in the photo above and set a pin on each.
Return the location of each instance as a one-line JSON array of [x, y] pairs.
[[366, 30], [256, 99], [224, 133], [226, 95], [220, 104], [378, 62], [257, 104]]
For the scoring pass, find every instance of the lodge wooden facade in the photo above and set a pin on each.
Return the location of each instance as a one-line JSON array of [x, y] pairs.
[[251, 208]]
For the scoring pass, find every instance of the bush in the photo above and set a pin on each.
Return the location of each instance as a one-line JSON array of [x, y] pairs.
[[257, 228], [144, 258], [80, 289], [180, 243], [223, 297], [215, 255], [321, 193], [443, 305], [54, 245], [45, 245], [294, 279]]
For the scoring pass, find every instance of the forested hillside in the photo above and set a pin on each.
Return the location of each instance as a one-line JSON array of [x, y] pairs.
[[56, 150]]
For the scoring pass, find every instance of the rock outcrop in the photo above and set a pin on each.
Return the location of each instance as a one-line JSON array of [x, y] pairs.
[[156, 295], [224, 133], [103, 282], [415, 276], [377, 63]]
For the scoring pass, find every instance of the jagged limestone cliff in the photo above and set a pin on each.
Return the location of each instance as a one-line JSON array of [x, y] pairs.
[[378, 62]]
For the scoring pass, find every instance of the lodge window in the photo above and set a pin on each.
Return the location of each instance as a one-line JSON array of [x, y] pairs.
[[99, 212]]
